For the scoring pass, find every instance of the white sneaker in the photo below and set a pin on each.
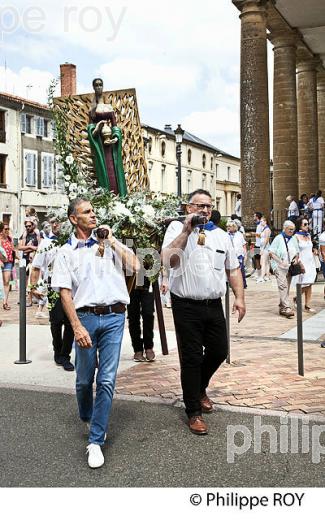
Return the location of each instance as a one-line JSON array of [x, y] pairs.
[[95, 456]]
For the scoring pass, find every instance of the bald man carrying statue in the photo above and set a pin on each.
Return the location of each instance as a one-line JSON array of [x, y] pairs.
[[105, 139]]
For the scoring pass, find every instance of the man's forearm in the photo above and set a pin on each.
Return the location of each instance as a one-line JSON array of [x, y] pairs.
[[179, 243], [236, 282], [69, 307], [128, 258]]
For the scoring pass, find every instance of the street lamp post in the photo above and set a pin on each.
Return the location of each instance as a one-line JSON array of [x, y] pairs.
[[179, 132]]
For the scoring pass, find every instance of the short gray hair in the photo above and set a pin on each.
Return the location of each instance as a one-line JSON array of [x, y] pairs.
[[288, 223], [232, 223], [74, 203]]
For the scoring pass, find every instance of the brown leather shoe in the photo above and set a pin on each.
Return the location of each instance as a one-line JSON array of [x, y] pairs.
[[197, 425], [206, 404]]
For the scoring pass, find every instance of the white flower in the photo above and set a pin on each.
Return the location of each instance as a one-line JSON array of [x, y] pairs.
[[69, 159], [73, 187], [148, 211], [58, 158], [121, 209], [66, 184], [67, 177]]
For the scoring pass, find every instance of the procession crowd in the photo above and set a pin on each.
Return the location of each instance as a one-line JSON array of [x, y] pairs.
[[83, 284]]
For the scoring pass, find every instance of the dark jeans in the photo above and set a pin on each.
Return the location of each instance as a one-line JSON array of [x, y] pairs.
[[141, 304], [202, 334], [62, 344]]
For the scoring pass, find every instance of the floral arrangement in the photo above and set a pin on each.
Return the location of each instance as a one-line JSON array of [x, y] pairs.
[[138, 216]]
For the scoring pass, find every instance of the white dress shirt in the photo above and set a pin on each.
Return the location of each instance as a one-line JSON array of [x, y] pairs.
[[45, 254], [93, 280], [201, 274], [259, 229]]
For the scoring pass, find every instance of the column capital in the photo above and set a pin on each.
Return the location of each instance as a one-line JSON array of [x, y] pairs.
[[307, 65], [251, 6], [282, 38]]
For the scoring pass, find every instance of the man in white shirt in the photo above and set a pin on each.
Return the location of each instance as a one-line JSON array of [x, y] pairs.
[[88, 271], [200, 259], [293, 210], [61, 330], [316, 205]]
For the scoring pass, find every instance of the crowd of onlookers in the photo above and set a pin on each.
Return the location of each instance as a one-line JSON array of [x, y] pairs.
[[27, 245]]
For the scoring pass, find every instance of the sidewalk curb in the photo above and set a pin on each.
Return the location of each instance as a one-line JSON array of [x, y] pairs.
[[178, 404]]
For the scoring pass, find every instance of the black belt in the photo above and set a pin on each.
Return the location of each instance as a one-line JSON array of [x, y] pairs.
[[215, 301], [118, 308]]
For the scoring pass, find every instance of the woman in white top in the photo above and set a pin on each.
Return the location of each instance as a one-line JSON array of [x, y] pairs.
[[265, 246], [239, 243], [307, 259]]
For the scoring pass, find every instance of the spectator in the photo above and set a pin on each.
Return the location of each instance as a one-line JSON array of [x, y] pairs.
[[239, 244], [257, 249], [265, 246], [283, 250], [3, 259], [316, 206], [46, 230], [307, 259], [293, 210], [7, 244], [215, 217], [303, 204], [28, 244], [322, 254]]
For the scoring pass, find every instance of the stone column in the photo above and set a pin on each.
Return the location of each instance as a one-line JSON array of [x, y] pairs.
[[254, 110], [285, 136], [321, 128], [307, 127]]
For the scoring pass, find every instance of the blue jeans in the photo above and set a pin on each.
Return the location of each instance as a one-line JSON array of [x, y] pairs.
[[106, 332]]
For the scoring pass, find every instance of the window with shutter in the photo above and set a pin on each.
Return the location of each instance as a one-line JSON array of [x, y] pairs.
[[30, 164], [23, 123], [40, 126], [48, 162]]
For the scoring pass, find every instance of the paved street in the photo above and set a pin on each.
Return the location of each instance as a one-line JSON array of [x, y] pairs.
[[263, 371], [43, 444]]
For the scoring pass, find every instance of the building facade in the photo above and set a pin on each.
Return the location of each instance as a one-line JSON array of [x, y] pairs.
[[296, 30], [28, 171], [203, 166]]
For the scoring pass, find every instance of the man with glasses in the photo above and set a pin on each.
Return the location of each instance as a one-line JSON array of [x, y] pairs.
[[200, 258], [283, 250], [28, 244]]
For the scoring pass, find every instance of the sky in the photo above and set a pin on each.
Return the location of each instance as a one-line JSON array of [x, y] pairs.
[[183, 58]]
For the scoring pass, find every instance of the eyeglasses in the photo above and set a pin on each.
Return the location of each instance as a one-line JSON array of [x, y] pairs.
[[6, 229], [304, 223], [202, 206], [28, 226], [290, 229]]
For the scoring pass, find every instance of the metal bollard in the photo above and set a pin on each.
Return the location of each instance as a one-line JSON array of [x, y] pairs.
[[22, 315], [300, 337], [227, 305]]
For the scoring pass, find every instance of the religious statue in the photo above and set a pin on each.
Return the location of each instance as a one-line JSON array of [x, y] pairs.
[[105, 139]]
